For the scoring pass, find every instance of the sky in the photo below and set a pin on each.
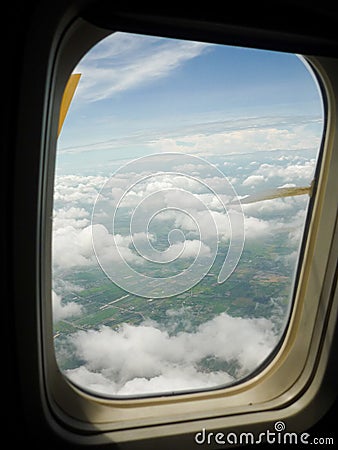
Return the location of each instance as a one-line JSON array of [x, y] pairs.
[[141, 94], [233, 118]]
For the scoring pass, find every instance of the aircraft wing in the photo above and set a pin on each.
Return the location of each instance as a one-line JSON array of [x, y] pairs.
[[276, 193], [67, 97]]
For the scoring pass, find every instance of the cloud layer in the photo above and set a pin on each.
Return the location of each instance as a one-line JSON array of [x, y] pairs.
[[76, 195], [158, 362], [151, 358]]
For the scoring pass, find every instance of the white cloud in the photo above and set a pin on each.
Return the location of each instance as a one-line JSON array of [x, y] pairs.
[[292, 173], [123, 62], [72, 244], [62, 310], [252, 180], [75, 189], [145, 358], [194, 248], [255, 228], [72, 247], [251, 139], [296, 228], [282, 206], [73, 216]]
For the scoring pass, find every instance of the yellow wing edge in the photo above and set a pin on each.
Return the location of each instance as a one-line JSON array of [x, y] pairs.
[[67, 98]]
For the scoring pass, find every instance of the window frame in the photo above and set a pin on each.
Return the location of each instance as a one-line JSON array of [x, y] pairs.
[[288, 389]]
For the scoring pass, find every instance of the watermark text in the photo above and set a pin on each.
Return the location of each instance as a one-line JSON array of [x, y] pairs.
[[276, 436]]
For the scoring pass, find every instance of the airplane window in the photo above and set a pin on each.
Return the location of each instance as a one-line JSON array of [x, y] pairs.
[[184, 173]]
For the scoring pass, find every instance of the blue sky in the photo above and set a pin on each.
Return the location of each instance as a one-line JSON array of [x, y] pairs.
[[141, 94]]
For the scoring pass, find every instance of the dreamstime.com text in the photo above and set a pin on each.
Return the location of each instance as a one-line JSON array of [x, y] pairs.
[[277, 436]]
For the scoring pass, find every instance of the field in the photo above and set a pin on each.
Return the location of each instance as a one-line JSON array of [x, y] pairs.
[[257, 288]]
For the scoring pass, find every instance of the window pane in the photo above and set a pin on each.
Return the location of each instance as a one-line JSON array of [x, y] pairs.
[[182, 185]]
